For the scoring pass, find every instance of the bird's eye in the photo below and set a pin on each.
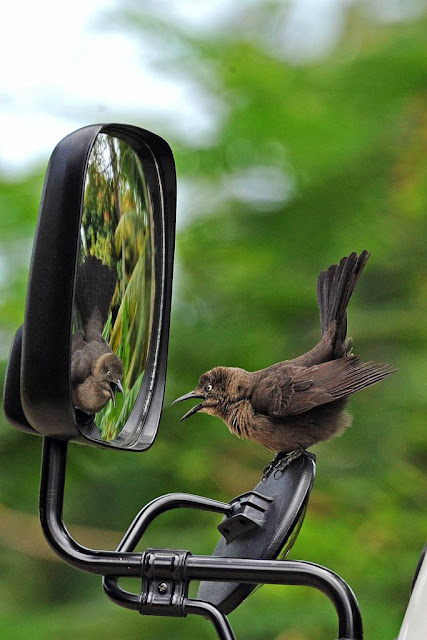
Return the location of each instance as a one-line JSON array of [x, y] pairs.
[[208, 388]]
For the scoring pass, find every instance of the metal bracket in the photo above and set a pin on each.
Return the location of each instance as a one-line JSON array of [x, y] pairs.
[[177, 568], [164, 582], [248, 514]]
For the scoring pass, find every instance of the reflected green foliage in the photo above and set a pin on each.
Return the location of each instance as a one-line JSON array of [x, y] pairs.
[[309, 161], [116, 229]]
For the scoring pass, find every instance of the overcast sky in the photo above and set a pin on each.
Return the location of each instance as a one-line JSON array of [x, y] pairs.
[[62, 64]]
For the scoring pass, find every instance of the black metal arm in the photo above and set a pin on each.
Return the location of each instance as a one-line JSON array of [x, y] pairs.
[[123, 562], [51, 506], [105, 563]]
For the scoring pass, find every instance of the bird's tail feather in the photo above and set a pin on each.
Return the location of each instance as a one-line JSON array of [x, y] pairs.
[[354, 376], [334, 288], [95, 285]]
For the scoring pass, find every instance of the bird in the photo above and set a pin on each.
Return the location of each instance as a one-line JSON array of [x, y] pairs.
[[96, 371], [294, 404]]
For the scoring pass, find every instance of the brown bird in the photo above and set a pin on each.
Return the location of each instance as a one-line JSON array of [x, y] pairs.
[[96, 372], [294, 404]]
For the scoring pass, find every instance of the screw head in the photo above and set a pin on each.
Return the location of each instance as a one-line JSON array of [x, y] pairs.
[[162, 587]]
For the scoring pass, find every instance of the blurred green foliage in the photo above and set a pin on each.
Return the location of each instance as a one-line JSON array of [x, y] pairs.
[[310, 161]]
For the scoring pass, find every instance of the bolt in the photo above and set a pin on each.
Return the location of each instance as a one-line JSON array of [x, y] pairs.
[[162, 587]]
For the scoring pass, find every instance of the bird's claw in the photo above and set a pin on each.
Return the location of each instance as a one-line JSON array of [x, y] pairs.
[[283, 460]]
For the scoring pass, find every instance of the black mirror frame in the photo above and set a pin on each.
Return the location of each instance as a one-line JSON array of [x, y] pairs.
[[38, 387]]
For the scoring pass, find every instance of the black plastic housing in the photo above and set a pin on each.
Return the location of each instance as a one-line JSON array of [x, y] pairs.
[[37, 395], [279, 517]]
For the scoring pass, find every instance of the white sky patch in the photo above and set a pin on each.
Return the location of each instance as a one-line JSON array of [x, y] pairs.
[[203, 17], [310, 29], [262, 189], [196, 198], [396, 10], [63, 68], [63, 73]]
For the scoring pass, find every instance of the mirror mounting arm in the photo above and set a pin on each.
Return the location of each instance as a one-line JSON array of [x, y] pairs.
[[160, 577], [288, 572], [236, 569], [123, 562], [117, 562], [106, 563], [140, 524], [51, 507]]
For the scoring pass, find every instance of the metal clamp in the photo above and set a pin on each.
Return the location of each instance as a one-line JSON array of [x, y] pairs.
[[248, 515], [164, 582]]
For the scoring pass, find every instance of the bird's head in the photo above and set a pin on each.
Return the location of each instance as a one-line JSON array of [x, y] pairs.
[[108, 375], [218, 389]]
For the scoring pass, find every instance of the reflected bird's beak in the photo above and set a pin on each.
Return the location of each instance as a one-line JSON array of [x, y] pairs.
[[190, 396], [113, 388]]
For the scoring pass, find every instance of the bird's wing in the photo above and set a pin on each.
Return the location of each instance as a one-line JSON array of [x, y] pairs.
[[83, 360], [77, 341], [295, 390], [81, 366], [273, 392]]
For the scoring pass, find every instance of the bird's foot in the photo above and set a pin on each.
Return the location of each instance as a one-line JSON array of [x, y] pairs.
[[282, 461], [269, 467]]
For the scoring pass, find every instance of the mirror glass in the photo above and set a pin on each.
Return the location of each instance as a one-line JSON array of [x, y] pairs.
[[115, 288]]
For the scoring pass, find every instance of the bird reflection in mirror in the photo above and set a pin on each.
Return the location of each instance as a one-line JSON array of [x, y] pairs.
[[295, 404], [96, 371]]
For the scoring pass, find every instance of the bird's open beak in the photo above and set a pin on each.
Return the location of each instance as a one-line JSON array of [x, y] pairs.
[[190, 396], [114, 386]]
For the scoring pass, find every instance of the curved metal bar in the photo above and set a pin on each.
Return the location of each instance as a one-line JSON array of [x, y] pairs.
[[211, 613], [124, 563], [51, 506], [116, 563], [286, 572], [120, 596], [162, 504], [140, 524]]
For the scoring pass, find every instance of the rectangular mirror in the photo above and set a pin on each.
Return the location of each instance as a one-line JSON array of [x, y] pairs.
[[90, 362]]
